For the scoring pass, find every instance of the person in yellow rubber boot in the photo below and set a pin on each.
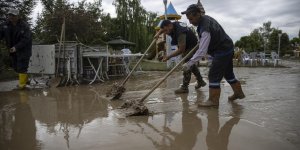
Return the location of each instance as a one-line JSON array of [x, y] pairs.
[[215, 42], [18, 38]]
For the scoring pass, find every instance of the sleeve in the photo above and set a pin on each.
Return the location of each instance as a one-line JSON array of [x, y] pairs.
[[203, 47], [25, 38]]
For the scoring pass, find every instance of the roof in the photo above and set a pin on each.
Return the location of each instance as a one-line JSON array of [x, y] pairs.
[[120, 42], [171, 10], [171, 13]]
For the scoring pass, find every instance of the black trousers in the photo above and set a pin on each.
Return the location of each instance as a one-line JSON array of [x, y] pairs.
[[221, 67], [19, 64], [187, 75]]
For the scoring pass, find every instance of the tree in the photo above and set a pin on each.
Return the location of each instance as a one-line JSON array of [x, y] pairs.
[[135, 23], [284, 41], [265, 37], [82, 19], [92, 26], [295, 41], [24, 6]]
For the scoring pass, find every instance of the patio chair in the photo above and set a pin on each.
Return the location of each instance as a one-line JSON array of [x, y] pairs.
[[253, 58], [245, 58], [263, 59], [275, 58]]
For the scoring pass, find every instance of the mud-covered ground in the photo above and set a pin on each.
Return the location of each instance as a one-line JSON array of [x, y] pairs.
[[80, 117]]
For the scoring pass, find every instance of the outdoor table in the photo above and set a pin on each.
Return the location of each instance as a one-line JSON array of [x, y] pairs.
[[99, 74]]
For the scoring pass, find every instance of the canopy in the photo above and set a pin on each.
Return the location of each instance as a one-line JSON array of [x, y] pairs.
[[171, 13], [120, 41]]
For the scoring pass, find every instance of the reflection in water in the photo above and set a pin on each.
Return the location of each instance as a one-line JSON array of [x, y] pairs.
[[217, 138], [191, 127], [18, 130], [75, 109], [184, 140]]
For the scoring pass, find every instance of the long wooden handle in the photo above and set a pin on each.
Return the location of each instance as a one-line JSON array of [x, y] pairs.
[[169, 73], [140, 60]]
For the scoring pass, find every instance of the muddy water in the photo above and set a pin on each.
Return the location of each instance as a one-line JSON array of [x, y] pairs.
[[82, 118]]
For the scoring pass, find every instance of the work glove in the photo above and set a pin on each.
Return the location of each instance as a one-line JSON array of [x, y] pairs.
[[185, 67]]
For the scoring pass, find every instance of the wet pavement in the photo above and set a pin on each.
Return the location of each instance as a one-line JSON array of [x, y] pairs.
[[82, 118]]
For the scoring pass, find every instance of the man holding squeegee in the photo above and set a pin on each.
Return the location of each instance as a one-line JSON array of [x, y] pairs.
[[185, 39], [215, 42]]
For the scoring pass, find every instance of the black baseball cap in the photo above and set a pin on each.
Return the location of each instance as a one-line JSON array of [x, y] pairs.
[[192, 8]]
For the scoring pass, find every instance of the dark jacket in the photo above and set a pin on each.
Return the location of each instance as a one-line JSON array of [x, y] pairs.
[[190, 41], [220, 42], [181, 28], [18, 36]]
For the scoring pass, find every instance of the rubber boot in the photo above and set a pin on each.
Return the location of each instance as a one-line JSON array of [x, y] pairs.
[[237, 92], [200, 84], [213, 99], [181, 90], [23, 79]]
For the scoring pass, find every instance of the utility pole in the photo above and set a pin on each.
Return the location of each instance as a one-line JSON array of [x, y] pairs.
[[279, 37], [265, 43]]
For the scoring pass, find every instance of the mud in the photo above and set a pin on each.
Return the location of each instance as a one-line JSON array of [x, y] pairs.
[[80, 117], [134, 108], [116, 91]]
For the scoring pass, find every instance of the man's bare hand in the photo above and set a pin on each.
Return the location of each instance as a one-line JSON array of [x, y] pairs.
[[166, 58], [12, 50]]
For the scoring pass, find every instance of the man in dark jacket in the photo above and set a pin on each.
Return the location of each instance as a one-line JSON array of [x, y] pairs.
[[186, 40], [215, 42], [18, 38]]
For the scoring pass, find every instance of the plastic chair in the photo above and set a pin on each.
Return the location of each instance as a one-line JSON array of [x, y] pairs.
[[253, 58], [262, 58], [275, 58], [245, 58]]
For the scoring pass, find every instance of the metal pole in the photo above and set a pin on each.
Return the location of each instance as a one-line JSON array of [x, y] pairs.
[[265, 44], [165, 3], [279, 36]]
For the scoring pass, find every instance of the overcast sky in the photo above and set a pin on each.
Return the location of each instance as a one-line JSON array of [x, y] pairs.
[[238, 17]]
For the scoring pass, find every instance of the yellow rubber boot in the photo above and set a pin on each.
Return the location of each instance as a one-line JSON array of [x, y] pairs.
[[23, 78]]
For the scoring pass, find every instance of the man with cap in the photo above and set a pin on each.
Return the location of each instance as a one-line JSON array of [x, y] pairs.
[[215, 42], [18, 38], [186, 40]]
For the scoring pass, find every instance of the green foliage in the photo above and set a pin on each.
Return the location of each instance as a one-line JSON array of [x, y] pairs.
[[92, 26], [284, 41], [295, 41], [135, 23], [24, 6], [265, 38], [82, 19]]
